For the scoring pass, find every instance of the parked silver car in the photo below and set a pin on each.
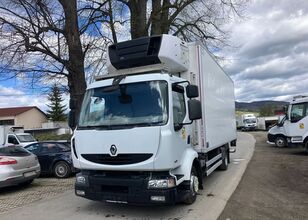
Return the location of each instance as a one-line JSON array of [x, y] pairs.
[[17, 166]]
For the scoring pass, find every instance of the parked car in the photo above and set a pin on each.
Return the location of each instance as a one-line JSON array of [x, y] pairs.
[[54, 157], [17, 166]]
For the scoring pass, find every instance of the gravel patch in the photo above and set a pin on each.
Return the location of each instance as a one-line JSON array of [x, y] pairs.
[[41, 188]]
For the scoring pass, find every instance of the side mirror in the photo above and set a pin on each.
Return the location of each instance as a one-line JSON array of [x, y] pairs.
[[71, 119], [194, 109], [285, 109], [192, 91]]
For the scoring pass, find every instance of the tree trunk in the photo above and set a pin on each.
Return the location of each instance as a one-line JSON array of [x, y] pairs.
[[155, 17], [138, 10], [159, 17], [75, 65]]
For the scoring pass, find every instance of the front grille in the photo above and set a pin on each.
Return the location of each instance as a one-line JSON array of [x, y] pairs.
[[120, 159]]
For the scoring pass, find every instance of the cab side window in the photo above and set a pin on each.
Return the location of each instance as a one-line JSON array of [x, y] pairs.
[[12, 139], [179, 110], [298, 112]]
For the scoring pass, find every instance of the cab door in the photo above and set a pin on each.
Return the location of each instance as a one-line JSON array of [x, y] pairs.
[[180, 114], [298, 121]]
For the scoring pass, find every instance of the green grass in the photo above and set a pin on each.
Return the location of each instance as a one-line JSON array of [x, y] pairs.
[[52, 137]]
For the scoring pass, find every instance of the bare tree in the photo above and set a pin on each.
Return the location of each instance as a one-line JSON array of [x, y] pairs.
[[66, 40], [41, 40], [188, 19]]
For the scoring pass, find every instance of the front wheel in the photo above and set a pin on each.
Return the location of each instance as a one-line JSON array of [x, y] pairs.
[[61, 170], [194, 187], [280, 142]]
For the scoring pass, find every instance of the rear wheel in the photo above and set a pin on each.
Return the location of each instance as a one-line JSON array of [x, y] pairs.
[[280, 142], [225, 159], [62, 170], [193, 187]]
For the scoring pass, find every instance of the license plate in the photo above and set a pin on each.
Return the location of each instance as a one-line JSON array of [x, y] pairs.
[[28, 174]]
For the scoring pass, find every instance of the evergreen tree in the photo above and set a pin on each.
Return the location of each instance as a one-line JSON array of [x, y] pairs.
[[57, 109]]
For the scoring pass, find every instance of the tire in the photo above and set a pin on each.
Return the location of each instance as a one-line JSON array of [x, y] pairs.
[[194, 187], [61, 170], [280, 142], [225, 159]]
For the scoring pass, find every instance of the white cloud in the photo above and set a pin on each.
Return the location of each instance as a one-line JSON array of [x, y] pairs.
[[269, 58], [11, 97]]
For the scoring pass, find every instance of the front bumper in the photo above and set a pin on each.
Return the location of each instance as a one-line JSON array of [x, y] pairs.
[[250, 128], [125, 188], [18, 179]]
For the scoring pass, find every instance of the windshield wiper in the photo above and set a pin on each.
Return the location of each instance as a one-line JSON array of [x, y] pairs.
[[118, 126], [105, 127], [147, 124], [92, 127]]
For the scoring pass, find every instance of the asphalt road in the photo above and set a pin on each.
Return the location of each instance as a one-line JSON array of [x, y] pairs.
[[219, 186], [274, 186]]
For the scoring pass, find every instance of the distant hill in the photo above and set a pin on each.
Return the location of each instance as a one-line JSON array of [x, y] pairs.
[[256, 106]]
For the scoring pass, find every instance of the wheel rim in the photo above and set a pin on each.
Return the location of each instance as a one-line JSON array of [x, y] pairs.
[[280, 142], [61, 170], [194, 184]]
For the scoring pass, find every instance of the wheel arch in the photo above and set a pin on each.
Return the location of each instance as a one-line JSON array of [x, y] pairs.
[[189, 159], [305, 136], [197, 165]]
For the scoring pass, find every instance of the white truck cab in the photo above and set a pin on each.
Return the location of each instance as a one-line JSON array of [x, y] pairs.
[[293, 128], [150, 130], [12, 135], [247, 122]]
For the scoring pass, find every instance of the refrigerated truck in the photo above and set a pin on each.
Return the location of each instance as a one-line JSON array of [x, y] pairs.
[[150, 130], [293, 128]]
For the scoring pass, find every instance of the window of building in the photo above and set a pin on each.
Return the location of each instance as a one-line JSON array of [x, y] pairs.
[[7, 122]]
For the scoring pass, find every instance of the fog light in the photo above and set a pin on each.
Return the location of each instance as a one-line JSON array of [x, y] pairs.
[[81, 179], [80, 192]]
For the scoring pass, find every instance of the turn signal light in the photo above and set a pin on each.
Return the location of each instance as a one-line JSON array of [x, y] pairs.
[[7, 161]]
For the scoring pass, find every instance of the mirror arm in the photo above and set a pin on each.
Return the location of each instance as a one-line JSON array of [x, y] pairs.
[[180, 125], [188, 123]]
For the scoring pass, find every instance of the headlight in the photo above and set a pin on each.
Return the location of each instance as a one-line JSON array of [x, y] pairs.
[[161, 183]]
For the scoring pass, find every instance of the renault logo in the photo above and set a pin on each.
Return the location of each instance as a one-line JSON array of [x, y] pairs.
[[113, 150]]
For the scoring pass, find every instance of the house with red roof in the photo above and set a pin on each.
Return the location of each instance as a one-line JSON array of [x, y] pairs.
[[29, 117]]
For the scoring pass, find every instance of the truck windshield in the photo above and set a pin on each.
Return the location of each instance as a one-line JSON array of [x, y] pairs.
[[25, 138], [132, 104], [250, 120]]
